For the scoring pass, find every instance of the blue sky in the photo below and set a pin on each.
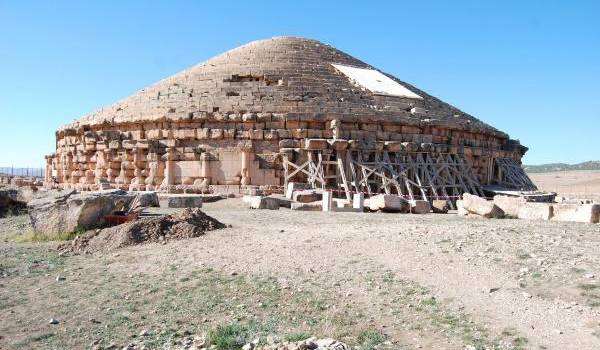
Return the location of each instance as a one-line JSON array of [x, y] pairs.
[[529, 68]]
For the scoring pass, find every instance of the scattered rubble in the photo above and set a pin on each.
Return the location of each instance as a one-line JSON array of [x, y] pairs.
[[308, 344], [188, 224]]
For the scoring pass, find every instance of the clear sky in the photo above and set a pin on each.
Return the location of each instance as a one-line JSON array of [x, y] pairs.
[[530, 68]]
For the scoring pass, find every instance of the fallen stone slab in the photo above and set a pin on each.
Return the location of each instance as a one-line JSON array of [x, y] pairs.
[[182, 200], [440, 206], [67, 211], [535, 211], [388, 203], [480, 206], [307, 196], [509, 204], [261, 202], [587, 213], [420, 207], [281, 200], [312, 206]]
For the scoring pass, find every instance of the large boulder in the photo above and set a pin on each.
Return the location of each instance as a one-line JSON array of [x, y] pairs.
[[388, 203], [509, 204], [588, 213], [68, 211], [480, 206]]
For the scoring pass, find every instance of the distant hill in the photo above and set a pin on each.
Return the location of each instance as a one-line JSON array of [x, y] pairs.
[[545, 168]]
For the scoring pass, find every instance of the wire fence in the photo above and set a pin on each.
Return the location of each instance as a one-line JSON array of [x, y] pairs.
[[22, 172]]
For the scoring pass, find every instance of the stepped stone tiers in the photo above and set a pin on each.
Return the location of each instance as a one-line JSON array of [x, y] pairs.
[[274, 111]]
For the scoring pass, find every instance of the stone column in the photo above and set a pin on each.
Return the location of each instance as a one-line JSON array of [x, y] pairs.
[[245, 167], [169, 176]]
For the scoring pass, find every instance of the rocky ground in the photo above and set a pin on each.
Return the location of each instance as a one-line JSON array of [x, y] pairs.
[[392, 281]]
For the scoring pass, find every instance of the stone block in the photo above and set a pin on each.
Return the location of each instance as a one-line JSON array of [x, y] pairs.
[[260, 202], [181, 201], [358, 201], [535, 211], [388, 203], [588, 213], [480, 206], [312, 206], [282, 200], [419, 207], [327, 201], [318, 144], [440, 206], [509, 204], [461, 208], [288, 143], [307, 196]]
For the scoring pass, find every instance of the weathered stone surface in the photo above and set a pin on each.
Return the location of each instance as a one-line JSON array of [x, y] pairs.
[[388, 203], [224, 122], [281, 200], [419, 207], [461, 211], [535, 211], [69, 212], [588, 213], [307, 196], [312, 206], [144, 200], [480, 206], [181, 200], [261, 202], [440, 206], [509, 204]]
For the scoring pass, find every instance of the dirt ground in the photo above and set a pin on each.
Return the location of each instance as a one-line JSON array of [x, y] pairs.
[[572, 184], [423, 281]]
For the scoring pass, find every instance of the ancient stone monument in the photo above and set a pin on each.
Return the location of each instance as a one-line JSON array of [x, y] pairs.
[[280, 110]]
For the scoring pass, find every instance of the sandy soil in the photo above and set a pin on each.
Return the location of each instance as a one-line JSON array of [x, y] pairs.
[[428, 281], [573, 184]]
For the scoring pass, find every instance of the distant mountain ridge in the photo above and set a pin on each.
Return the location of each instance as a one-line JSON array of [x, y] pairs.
[[545, 168]]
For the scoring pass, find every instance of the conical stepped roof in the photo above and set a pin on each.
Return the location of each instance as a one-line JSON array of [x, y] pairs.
[[285, 75]]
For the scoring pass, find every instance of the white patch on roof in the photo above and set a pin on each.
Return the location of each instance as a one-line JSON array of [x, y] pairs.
[[375, 81]]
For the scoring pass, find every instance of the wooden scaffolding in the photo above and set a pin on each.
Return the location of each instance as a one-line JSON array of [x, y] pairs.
[[509, 173], [419, 175]]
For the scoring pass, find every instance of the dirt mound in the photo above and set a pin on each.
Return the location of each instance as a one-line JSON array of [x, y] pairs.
[[188, 224]]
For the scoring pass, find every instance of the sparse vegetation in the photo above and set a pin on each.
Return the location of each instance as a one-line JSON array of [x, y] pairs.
[[369, 339]]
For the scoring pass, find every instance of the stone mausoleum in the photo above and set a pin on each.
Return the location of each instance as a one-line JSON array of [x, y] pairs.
[[279, 110]]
